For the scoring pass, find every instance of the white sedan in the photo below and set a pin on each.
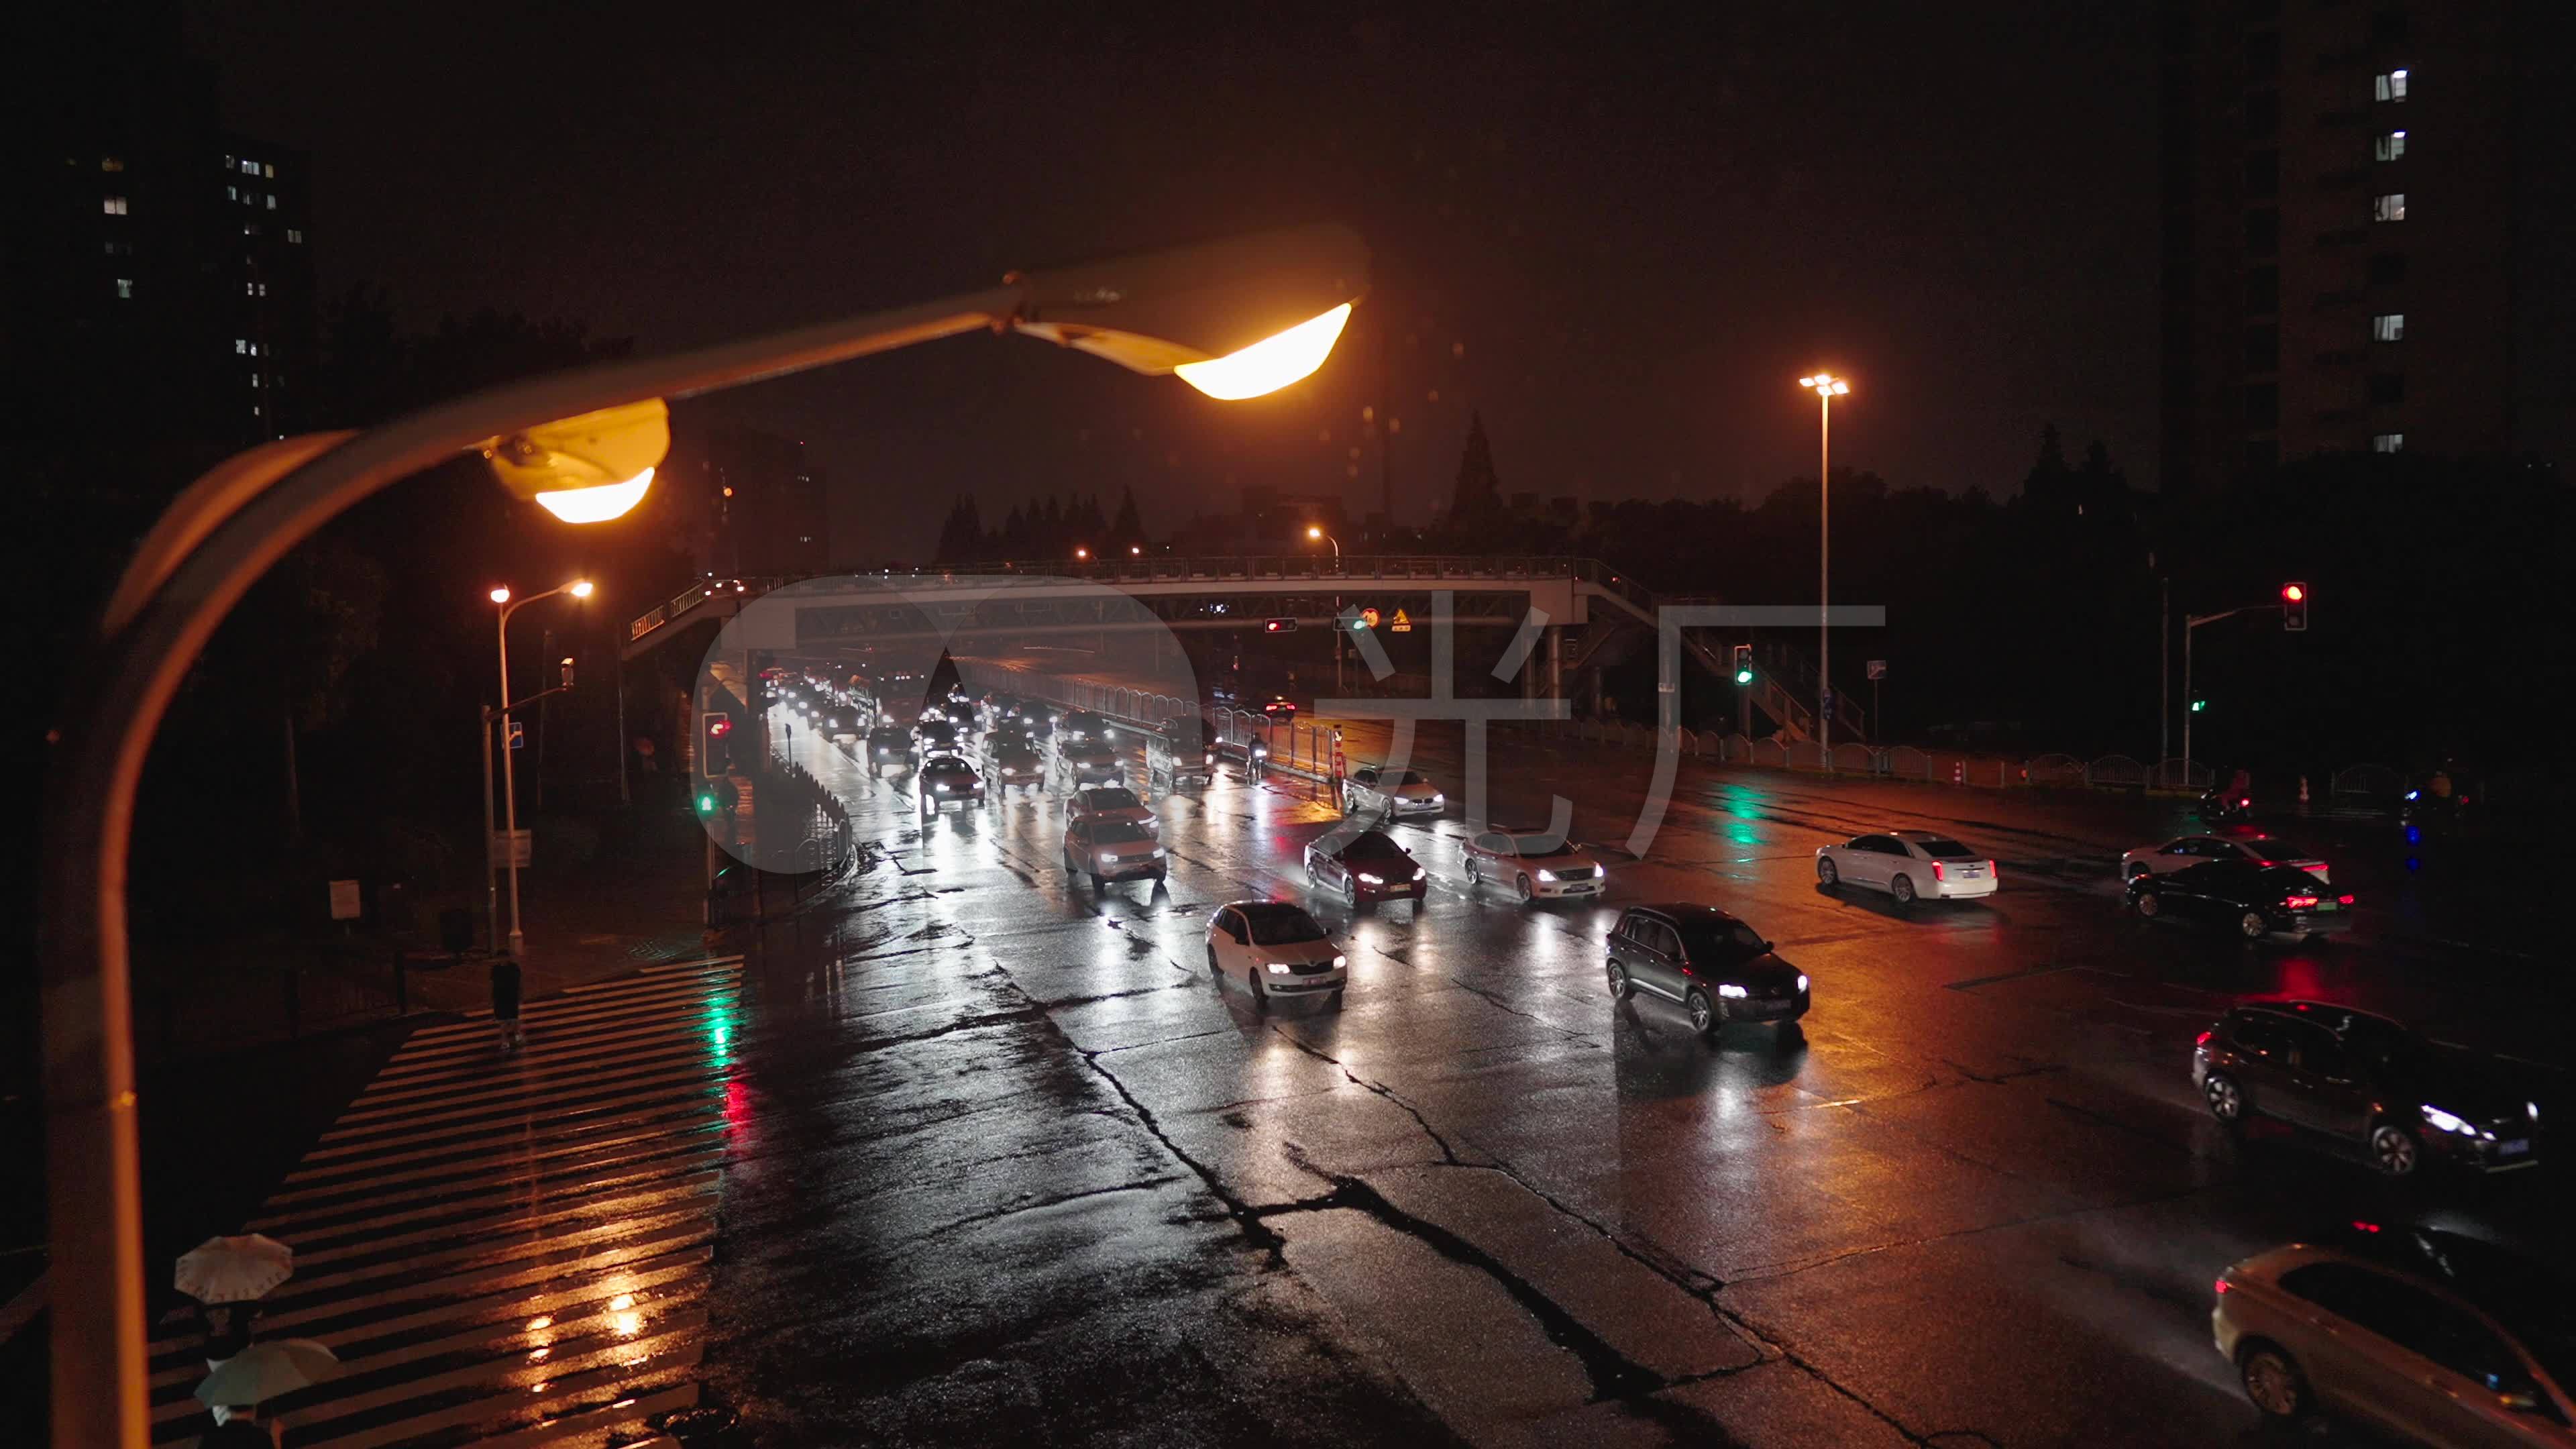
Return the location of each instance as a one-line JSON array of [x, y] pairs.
[[1277, 949], [1908, 864], [1532, 865], [2186, 851], [1388, 794], [1111, 802]]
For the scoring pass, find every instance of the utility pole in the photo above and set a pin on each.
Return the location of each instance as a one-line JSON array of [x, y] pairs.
[[2164, 678]]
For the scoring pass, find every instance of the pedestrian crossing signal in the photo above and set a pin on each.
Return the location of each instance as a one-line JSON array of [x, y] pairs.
[[1744, 664]]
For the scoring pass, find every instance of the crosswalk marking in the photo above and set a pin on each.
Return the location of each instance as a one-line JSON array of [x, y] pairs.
[[505, 1249]]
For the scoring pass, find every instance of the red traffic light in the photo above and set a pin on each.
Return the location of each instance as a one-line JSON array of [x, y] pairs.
[[2294, 593], [1279, 626], [719, 724]]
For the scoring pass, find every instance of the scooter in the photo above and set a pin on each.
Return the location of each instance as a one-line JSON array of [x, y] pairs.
[[2225, 806]]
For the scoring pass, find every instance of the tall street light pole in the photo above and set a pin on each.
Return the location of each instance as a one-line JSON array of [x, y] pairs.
[[579, 589], [1233, 319], [1315, 532], [1827, 387]]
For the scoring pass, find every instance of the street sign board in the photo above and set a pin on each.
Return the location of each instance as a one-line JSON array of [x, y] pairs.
[[511, 848], [344, 900], [518, 734], [1368, 618], [1402, 624], [1878, 669]]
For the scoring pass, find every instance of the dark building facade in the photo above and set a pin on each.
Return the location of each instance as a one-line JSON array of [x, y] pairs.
[[763, 504], [161, 267], [2363, 233]]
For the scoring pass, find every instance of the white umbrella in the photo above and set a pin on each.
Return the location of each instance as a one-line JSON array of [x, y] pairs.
[[265, 1370], [234, 1269]]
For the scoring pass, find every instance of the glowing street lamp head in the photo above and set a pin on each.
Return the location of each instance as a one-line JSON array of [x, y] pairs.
[[1082, 553], [1234, 319], [586, 469], [501, 595], [1314, 532], [1825, 384], [1270, 364], [578, 588]]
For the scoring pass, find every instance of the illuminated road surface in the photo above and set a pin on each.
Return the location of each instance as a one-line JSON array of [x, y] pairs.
[[1002, 1155]]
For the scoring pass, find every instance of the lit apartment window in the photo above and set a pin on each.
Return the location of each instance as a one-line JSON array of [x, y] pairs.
[[254, 349], [254, 379], [2390, 145], [250, 228], [241, 346], [2388, 327], [232, 193], [120, 249], [2391, 207], [111, 163], [228, 163], [295, 235], [270, 170], [249, 167], [125, 286], [113, 206], [2390, 86], [2388, 442]]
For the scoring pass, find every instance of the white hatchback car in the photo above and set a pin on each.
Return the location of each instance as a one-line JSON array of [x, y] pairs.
[[1110, 802], [2186, 851], [1277, 949], [2311, 1328], [1532, 865], [1908, 864]]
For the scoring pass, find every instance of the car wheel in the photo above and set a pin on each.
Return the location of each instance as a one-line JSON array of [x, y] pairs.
[[1216, 973], [1334, 998], [1903, 889], [2252, 926], [1826, 875], [1528, 892], [1620, 989], [1351, 892], [1097, 884], [2149, 904], [1252, 983], [2394, 1150], [2273, 1382], [1474, 878], [2226, 1099], [1703, 1012]]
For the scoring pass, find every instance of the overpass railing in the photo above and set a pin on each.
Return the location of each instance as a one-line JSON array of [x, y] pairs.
[[1429, 569]]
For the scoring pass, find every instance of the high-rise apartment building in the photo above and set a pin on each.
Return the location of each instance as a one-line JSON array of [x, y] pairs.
[[2364, 233], [161, 281]]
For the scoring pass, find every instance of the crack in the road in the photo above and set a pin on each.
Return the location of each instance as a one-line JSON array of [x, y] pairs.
[[1448, 1154], [1496, 999], [2036, 1069], [1167, 1040], [1040, 1205]]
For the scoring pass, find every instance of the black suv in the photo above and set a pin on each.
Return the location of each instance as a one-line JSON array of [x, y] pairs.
[[2365, 1081], [1717, 967]]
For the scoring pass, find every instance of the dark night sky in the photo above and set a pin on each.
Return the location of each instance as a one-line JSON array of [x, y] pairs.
[[1621, 239]]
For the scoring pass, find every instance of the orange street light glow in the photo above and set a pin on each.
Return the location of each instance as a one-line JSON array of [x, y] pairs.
[[598, 504], [1270, 364], [501, 596], [580, 588]]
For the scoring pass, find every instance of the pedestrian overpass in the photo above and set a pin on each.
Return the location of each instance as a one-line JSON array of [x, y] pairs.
[[1587, 614]]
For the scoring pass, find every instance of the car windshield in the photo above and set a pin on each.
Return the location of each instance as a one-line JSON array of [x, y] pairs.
[[1111, 799], [947, 767], [1371, 846], [1396, 779], [1119, 832], [1941, 847], [1278, 925], [1014, 750], [2538, 1305], [1711, 940]]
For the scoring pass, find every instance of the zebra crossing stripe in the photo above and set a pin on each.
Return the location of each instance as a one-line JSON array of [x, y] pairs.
[[509, 1249]]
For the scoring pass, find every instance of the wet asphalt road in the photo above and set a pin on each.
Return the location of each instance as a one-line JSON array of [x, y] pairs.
[[1006, 1164]]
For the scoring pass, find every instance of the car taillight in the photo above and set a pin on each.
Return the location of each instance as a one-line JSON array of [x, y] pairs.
[[1994, 872], [2297, 903], [1938, 873], [2223, 1285], [2201, 1040], [2361, 1226], [2315, 868], [2343, 900]]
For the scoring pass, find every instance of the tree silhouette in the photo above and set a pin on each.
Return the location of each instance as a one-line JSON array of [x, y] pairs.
[[1476, 506], [1127, 528]]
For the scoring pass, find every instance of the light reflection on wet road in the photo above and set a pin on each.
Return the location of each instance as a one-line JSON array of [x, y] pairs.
[[1003, 1154]]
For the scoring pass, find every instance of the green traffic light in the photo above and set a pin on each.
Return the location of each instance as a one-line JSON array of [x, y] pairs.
[[2199, 705], [1744, 676], [706, 803]]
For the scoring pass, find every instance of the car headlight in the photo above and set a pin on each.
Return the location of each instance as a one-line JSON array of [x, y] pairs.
[[1439, 799], [1547, 875], [1368, 879], [1341, 961], [941, 787], [2436, 1117], [1278, 968], [1731, 991], [2532, 1110], [1106, 858], [1802, 981]]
